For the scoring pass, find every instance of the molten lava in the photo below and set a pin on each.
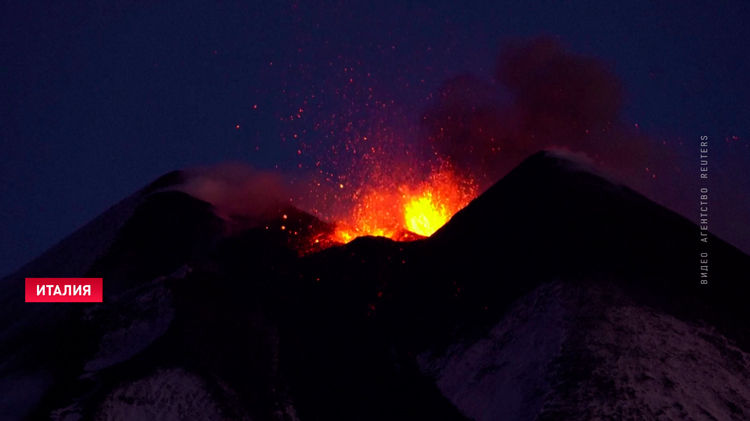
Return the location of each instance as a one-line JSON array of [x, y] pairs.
[[423, 217], [420, 209]]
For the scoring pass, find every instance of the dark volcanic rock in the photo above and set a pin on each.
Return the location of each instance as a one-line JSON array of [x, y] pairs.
[[555, 295]]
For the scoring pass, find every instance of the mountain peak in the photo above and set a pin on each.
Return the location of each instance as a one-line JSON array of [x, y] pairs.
[[535, 286]]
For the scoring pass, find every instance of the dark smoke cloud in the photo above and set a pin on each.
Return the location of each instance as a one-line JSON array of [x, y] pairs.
[[543, 97]]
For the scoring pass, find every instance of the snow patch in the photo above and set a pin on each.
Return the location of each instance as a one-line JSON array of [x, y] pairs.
[[502, 376], [148, 317], [578, 352], [69, 413], [173, 394], [659, 366]]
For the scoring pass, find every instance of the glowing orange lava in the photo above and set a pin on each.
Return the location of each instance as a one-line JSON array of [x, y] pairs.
[[420, 209], [423, 217]]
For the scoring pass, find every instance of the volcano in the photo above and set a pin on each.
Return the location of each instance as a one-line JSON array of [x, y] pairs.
[[557, 294]]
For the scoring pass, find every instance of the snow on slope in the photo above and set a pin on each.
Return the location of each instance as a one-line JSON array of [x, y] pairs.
[[173, 394], [20, 389], [653, 365], [502, 376], [150, 312], [581, 352]]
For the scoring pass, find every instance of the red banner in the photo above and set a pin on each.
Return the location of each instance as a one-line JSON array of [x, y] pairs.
[[63, 290]]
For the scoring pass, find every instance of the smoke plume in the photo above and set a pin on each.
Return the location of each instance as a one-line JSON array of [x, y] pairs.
[[543, 97], [237, 190]]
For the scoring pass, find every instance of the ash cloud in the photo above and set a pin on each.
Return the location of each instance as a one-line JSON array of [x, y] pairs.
[[543, 97]]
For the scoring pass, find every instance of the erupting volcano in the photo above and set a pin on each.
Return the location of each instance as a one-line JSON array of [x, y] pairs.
[[233, 324], [408, 212], [374, 211]]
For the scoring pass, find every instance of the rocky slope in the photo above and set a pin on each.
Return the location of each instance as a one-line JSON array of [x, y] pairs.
[[557, 294]]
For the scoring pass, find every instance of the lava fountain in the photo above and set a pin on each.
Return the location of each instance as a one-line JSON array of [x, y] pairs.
[[407, 212]]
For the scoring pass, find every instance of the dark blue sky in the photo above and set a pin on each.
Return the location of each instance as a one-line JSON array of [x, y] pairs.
[[96, 100]]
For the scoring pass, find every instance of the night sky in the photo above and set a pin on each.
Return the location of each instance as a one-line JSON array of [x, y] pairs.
[[97, 99]]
